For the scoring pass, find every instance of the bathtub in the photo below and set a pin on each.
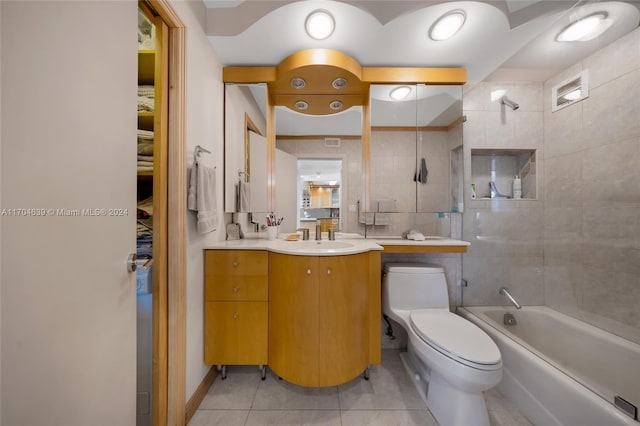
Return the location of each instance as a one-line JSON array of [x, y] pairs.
[[561, 371]]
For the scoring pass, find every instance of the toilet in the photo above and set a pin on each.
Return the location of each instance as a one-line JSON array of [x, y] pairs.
[[449, 359]]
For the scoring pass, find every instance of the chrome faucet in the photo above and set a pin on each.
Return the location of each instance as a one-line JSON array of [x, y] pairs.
[[318, 231], [503, 291]]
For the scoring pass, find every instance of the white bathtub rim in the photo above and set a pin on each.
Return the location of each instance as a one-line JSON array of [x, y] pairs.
[[540, 361]]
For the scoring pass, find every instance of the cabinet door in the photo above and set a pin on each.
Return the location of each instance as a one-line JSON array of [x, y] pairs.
[[293, 318], [344, 318], [235, 333]]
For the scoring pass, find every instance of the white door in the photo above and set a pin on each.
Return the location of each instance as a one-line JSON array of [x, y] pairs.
[[69, 161]]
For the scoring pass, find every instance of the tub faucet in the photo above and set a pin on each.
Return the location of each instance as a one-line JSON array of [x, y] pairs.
[[503, 291]]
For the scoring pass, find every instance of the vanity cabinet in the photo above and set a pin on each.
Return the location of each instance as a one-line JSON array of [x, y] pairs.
[[324, 317], [236, 307]]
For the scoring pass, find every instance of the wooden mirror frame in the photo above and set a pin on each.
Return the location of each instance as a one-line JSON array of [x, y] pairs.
[[316, 65]]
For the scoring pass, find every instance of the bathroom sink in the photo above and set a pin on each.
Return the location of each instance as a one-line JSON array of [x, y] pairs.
[[316, 248], [322, 245]]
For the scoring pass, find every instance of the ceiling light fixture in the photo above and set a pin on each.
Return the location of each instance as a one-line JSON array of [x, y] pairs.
[[335, 105], [586, 28], [400, 93], [319, 24], [301, 105], [447, 25], [339, 83], [298, 83]]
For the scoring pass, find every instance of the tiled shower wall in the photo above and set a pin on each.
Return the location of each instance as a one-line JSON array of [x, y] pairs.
[[577, 247], [592, 195], [506, 236]]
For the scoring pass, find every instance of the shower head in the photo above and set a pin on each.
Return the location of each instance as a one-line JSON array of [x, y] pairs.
[[508, 102]]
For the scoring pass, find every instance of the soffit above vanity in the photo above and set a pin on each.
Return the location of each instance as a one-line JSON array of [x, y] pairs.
[[331, 77]]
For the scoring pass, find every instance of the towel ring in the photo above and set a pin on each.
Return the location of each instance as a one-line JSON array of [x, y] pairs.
[[197, 151]]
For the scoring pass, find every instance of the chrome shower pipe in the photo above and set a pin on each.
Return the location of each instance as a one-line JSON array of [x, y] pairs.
[[508, 102], [505, 292]]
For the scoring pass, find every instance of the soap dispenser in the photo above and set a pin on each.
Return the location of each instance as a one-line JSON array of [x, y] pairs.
[[517, 188]]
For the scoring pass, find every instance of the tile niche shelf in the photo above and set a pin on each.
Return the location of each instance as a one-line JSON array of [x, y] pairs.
[[500, 166]]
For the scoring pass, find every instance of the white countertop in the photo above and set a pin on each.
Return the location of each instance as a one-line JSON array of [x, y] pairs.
[[325, 247], [429, 241], [301, 248]]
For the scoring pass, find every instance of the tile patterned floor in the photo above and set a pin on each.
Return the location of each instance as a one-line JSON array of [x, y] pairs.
[[388, 398]]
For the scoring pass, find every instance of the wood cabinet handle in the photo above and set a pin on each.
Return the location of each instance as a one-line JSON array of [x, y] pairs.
[[309, 271], [236, 315], [235, 289], [235, 263], [328, 271]]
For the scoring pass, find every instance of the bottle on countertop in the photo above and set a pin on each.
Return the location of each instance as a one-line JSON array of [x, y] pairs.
[[517, 188]]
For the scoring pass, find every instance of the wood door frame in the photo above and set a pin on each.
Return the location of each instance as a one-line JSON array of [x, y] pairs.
[[169, 381]]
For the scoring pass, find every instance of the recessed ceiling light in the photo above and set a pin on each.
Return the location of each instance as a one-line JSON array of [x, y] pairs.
[[400, 93], [447, 25], [301, 105], [335, 105], [339, 83], [585, 29], [298, 83], [319, 24]]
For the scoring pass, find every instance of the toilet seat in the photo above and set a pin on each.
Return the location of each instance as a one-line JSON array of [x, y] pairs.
[[456, 338]]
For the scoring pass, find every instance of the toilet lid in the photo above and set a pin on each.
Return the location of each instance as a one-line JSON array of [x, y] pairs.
[[456, 338]]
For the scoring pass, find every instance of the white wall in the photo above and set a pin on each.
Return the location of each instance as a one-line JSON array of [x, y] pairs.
[[68, 103], [204, 126]]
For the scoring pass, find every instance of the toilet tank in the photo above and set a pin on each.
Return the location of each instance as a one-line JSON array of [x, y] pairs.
[[409, 286]]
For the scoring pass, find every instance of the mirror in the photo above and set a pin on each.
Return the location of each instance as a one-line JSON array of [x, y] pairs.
[[416, 141], [245, 148], [322, 156], [427, 124]]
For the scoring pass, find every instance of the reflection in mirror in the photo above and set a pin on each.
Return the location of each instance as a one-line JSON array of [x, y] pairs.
[[245, 148], [414, 139], [326, 167]]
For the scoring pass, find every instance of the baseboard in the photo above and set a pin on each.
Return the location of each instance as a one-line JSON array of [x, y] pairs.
[[198, 395]]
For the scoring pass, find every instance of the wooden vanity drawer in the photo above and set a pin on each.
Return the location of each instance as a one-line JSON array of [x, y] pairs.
[[236, 333], [232, 275], [236, 262], [224, 288]]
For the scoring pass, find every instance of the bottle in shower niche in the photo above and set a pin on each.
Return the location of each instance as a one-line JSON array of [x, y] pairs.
[[517, 188]]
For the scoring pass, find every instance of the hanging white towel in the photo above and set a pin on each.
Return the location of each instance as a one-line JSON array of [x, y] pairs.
[[381, 219], [193, 189], [243, 197], [201, 197]]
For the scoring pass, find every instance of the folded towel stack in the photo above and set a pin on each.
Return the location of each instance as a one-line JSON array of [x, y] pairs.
[[146, 98], [145, 150]]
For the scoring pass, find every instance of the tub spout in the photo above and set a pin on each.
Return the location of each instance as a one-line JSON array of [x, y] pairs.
[[505, 292]]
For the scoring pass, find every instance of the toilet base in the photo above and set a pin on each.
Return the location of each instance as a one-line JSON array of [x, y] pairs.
[[453, 407], [450, 406], [417, 376]]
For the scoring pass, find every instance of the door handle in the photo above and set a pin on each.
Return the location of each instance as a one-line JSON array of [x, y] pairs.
[[132, 264]]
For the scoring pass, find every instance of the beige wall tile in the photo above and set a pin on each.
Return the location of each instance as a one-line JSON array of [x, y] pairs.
[[563, 181], [614, 60]]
